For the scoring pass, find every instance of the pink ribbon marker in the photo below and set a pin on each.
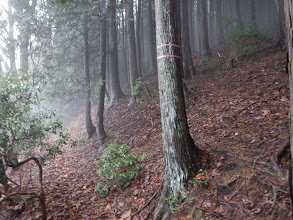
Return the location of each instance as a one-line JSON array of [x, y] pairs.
[[165, 45], [219, 55], [168, 56]]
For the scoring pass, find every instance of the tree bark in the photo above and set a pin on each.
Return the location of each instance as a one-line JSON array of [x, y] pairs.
[[203, 31], [238, 13], [114, 82], [152, 36], [219, 20], [138, 41], [288, 11], [186, 46], [281, 45], [102, 78], [90, 128], [180, 152], [211, 22], [131, 50], [11, 43], [252, 11]]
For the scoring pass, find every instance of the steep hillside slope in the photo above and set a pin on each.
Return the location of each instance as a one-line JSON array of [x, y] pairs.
[[238, 116]]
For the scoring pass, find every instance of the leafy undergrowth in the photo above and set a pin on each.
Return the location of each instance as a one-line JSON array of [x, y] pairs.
[[238, 115]]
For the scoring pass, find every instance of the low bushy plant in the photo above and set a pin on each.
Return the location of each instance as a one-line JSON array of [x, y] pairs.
[[140, 89], [244, 40], [118, 167], [24, 125]]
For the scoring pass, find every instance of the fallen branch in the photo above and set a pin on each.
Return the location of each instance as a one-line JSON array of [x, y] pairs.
[[236, 191], [41, 196], [210, 212], [148, 202]]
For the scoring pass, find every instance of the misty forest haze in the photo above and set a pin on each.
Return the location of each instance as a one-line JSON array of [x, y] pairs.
[[146, 109]]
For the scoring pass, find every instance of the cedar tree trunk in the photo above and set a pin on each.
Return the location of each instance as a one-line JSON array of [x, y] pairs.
[[289, 25], [180, 152], [90, 128], [114, 82], [131, 50], [102, 80]]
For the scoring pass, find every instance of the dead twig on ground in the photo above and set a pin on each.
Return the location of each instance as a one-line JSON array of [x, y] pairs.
[[210, 212], [236, 191], [274, 200]]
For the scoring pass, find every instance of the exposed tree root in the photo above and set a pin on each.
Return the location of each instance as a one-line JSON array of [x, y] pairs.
[[41, 196], [283, 151], [148, 202], [162, 211]]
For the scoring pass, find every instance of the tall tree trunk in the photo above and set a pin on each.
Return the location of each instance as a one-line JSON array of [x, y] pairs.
[[203, 31], [138, 39], [277, 4], [281, 45], [211, 22], [24, 35], [152, 36], [114, 82], [186, 47], [180, 152], [124, 42], [11, 44], [252, 11], [102, 79], [219, 21], [289, 24], [90, 128], [131, 50], [192, 25], [238, 13]]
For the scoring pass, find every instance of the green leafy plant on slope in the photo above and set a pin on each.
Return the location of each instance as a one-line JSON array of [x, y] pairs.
[[118, 167]]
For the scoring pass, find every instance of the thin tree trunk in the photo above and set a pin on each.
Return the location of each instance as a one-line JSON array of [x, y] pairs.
[[138, 39], [180, 152], [219, 21], [203, 31], [238, 13], [152, 36], [124, 42], [281, 45], [131, 50], [114, 82], [11, 44], [142, 38], [186, 46], [211, 22], [102, 79], [90, 128], [252, 11], [192, 25]]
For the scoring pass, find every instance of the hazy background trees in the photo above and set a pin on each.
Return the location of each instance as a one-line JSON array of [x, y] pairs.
[[49, 40]]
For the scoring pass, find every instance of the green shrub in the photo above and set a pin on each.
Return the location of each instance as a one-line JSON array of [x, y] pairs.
[[24, 125], [244, 40], [119, 167], [140, 89]]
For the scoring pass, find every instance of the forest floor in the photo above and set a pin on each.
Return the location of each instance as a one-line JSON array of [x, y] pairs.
[[237, 116]]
